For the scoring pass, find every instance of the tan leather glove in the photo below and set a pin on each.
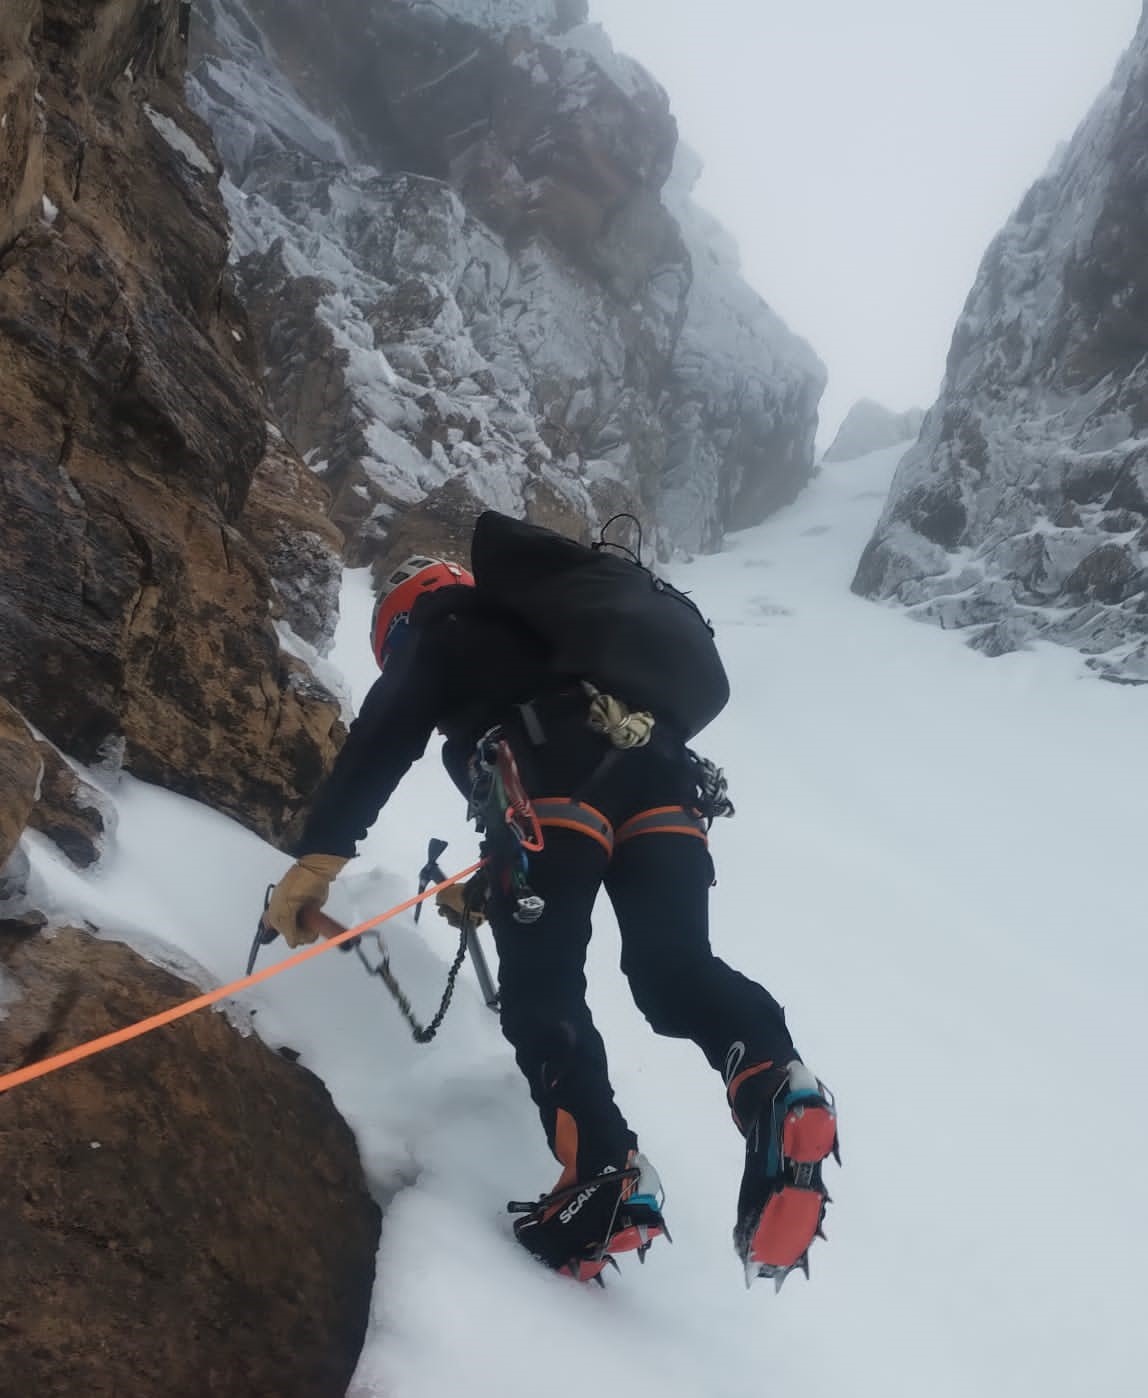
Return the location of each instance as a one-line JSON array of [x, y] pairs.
[[305, 885], [452, 902]]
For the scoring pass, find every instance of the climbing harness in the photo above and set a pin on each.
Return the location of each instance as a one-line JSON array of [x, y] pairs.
[[566, 813], [664, 820]]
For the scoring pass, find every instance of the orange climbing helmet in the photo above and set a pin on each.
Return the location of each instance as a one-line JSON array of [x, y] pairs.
[[400, 592]]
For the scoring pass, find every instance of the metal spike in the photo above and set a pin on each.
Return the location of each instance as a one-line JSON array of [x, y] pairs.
[[804, 1265], [612, 1261], [643, 1235], [751, 1272], [779, 1281]]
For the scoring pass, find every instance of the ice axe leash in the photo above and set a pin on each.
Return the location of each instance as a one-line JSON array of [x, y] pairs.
[[145, 1026], [431, 880]]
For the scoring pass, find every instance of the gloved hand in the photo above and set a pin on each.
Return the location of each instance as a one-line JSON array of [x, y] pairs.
[[453, 901], [305, 885]]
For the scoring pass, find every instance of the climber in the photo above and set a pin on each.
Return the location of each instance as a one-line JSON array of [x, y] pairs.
[[567, 683]]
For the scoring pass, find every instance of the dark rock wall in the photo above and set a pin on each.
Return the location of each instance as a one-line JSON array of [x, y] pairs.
[[1023, 511]]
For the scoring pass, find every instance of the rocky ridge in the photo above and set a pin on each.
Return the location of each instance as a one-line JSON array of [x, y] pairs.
[[1023, 510], [470, 274]]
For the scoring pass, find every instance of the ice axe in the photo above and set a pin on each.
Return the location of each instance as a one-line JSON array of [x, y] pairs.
[[431, 873], [310, 918]]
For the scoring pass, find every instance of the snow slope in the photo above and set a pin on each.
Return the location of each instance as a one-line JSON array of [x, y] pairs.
[[936, 864]]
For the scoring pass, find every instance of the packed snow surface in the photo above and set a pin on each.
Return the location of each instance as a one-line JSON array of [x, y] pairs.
[[937, 863]]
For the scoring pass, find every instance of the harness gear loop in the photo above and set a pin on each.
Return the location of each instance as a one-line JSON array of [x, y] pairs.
[[624, 727]]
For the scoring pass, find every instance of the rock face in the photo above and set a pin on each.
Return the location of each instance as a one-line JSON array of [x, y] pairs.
[[870, 427], [452, 234], [21, 768], [286, 519], [1023, 511], [185, 1214], [132, 605], [69, 810]]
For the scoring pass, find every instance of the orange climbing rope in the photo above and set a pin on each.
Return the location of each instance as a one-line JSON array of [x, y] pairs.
[[213, 997]]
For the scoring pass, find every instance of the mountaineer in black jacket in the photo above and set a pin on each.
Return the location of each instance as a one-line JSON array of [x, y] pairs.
[[617, 798]]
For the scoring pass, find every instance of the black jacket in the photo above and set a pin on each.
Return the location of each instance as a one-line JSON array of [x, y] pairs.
[[461, 668]]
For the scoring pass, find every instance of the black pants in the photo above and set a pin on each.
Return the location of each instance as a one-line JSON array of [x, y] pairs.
[[659, 886]]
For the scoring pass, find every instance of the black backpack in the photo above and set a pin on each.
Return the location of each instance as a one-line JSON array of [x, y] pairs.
[[605, 618]]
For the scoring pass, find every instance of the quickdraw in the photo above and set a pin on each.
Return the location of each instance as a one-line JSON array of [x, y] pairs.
[[497, 788], [502, 813]]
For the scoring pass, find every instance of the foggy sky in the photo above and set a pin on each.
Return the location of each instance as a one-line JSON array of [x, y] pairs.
[[865, 152]]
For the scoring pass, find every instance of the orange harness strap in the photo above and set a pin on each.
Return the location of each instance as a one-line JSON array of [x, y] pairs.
[[564, 813], [664, 820]]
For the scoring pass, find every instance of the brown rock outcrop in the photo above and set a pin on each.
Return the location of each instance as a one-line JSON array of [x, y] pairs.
[[69, 810], [21, 152], [39, 790], [131, 427], [184, 1215], [20, 770]]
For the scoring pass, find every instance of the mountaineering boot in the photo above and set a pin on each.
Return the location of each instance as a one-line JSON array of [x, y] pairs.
[[579, 1229], [782, 1201]]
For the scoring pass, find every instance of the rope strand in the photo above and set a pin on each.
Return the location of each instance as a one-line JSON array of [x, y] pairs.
[[213, 997]]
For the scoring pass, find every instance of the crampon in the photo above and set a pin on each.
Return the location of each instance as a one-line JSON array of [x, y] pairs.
[[783, 1199], [580, 1230]]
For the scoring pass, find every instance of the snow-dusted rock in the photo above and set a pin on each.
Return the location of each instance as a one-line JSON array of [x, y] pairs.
[[1031, 475], [870, 427], [21, 769], [450, 225], [743, 391]]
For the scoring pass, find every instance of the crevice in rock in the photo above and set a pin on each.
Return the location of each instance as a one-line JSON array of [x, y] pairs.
[[78, 172], [44, 1042]]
